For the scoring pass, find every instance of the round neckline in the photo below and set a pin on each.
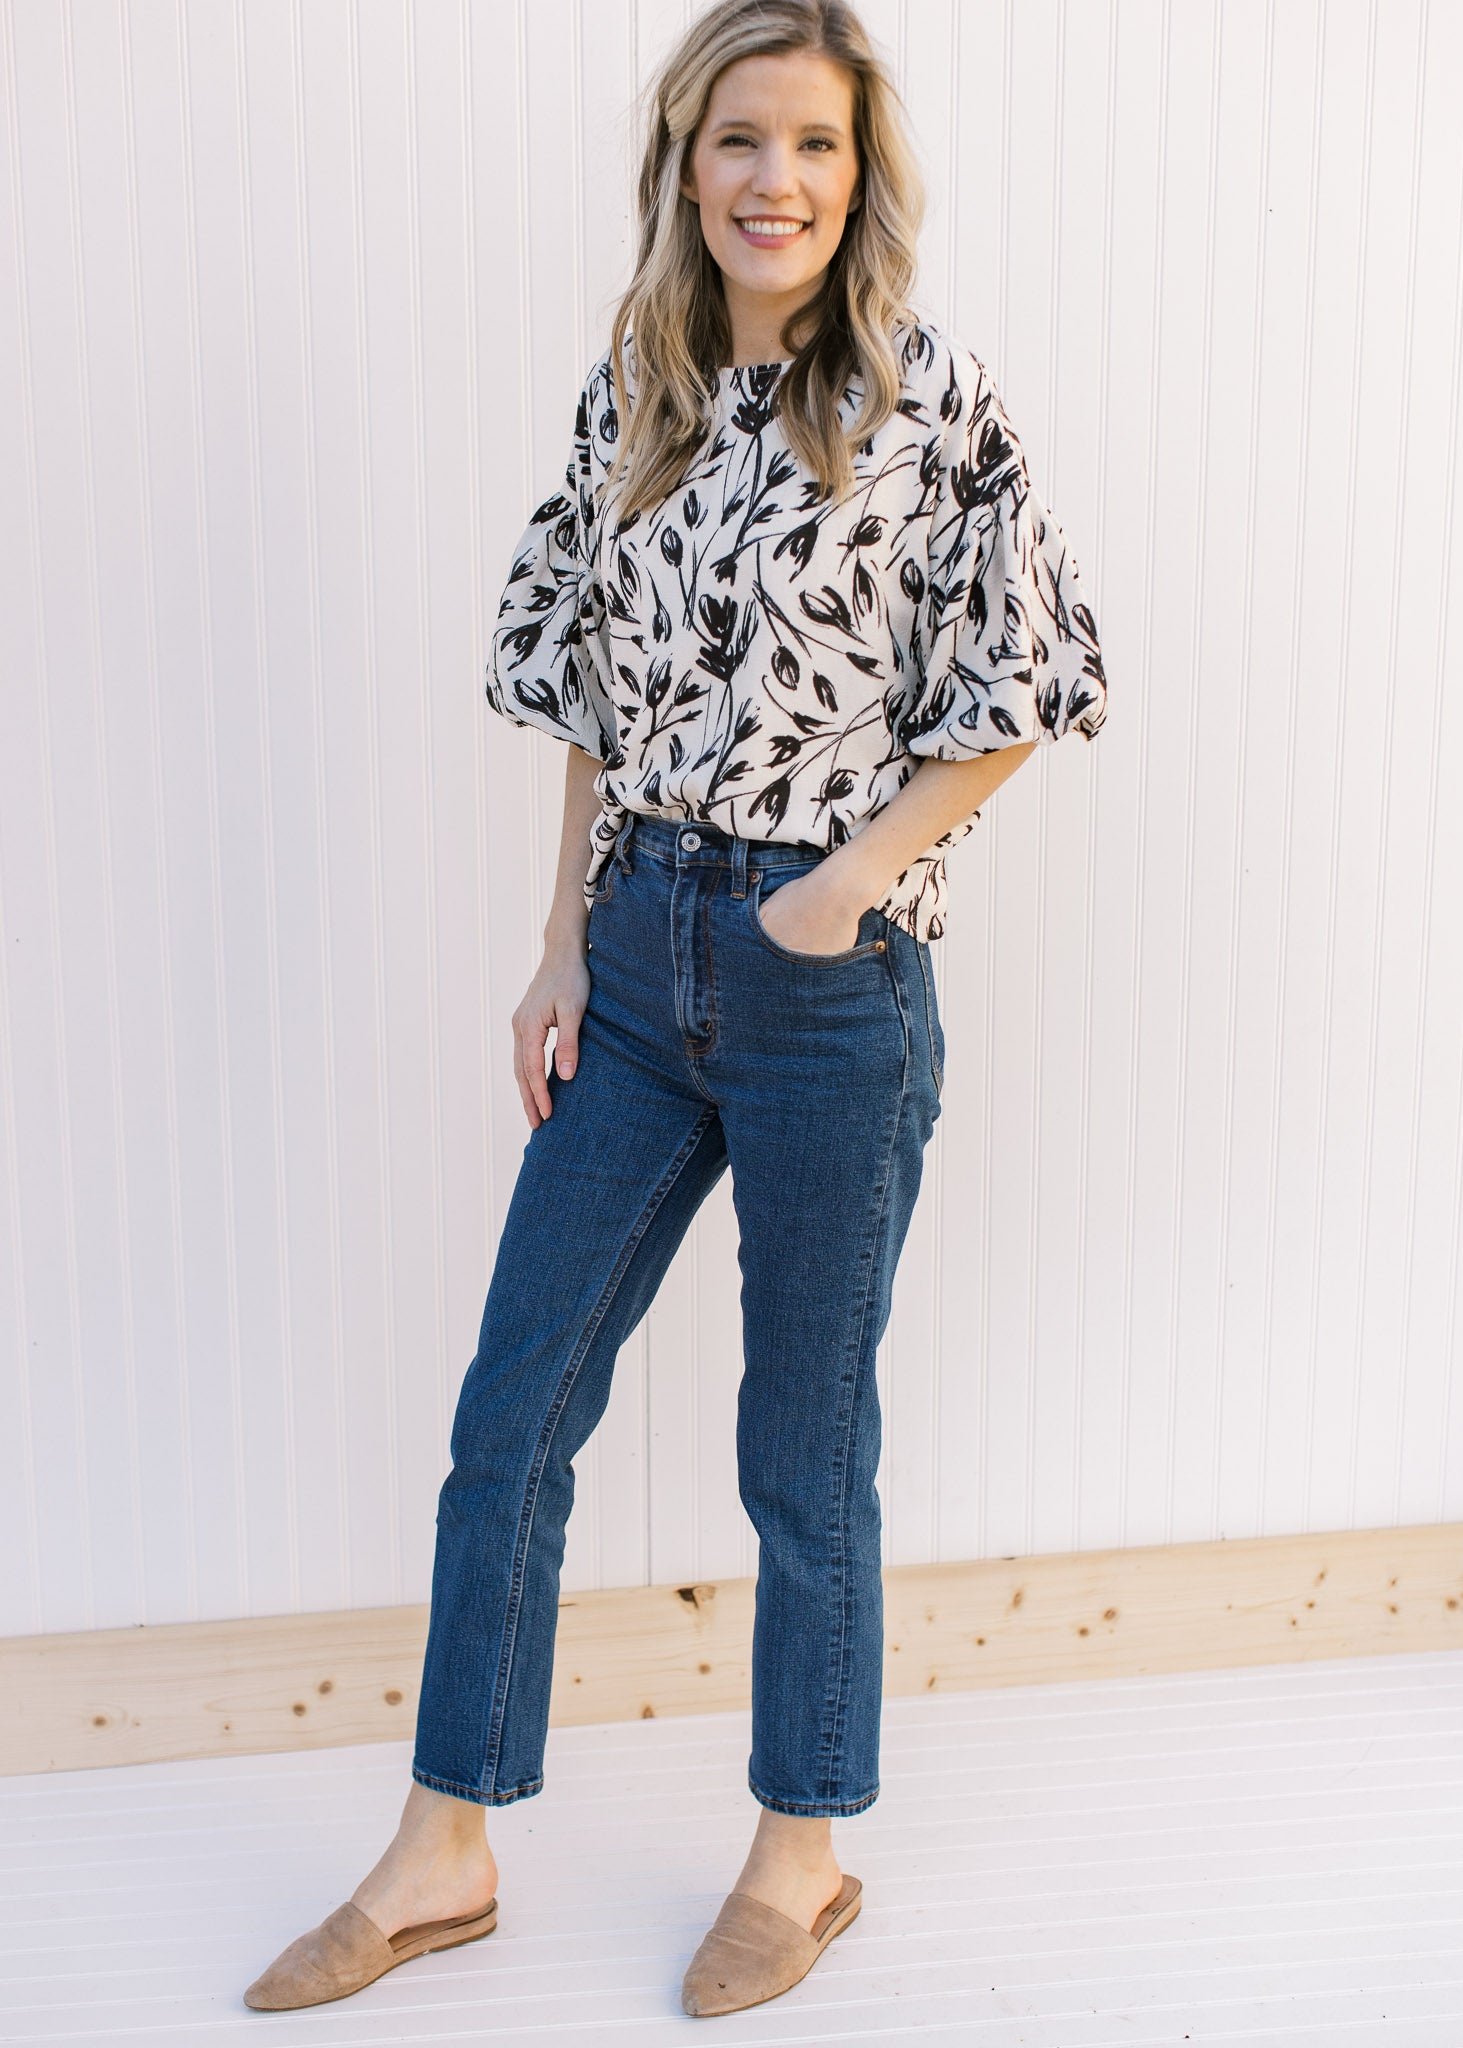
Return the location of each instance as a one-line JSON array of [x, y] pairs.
[[741, 369]]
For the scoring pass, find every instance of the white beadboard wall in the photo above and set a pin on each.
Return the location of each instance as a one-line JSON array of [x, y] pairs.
[[295, 299]]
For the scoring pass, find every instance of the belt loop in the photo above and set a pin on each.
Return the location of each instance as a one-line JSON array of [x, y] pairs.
[[622, 842], [739, 869]]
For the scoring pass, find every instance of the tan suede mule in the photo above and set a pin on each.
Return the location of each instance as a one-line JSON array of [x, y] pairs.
[[347, 1951], [753, 1952]]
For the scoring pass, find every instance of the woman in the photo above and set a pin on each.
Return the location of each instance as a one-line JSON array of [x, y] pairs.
[[797, 612]]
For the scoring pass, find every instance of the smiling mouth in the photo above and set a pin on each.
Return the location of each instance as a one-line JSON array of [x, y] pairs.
[[767, 231]]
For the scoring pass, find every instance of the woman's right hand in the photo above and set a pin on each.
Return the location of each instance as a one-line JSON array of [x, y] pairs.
[[557, 996]]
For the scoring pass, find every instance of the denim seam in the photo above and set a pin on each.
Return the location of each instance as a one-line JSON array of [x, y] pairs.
[[476, 1794], [815, 1808], [937, 1074], [711, 980], [715, 859], [692, 1053], [840, 1697], [498, 1711], [615, 863], [713, 1028]]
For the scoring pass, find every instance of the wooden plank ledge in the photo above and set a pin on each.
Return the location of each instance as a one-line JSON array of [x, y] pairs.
[[308, 1681]]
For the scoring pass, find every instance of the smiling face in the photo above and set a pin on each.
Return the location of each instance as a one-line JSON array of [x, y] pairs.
[[773, 169]]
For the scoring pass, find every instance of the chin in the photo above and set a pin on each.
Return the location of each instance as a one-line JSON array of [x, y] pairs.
[[762, 278], [763, 266]]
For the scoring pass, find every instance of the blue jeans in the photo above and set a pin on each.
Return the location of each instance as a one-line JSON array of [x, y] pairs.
[[816, 1077]]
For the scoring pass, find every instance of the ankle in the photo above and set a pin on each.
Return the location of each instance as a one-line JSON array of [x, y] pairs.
[[792, 1869], [804, 1843], [419, 1860], [434, 1824], [428, 1872]]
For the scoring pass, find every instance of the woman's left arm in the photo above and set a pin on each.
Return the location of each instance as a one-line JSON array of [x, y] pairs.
[[820, 911]]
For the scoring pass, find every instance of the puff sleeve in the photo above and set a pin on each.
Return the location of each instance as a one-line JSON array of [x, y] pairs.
[[542, 667], [1007, 649]]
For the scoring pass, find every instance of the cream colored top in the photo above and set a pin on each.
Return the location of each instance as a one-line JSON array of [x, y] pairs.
[[749, 657]]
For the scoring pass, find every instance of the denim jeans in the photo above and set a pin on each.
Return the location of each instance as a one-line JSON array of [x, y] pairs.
[[816, 1077]]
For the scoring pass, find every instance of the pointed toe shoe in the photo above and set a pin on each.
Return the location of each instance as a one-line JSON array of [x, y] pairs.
[[752, 1952], [347, 1951]]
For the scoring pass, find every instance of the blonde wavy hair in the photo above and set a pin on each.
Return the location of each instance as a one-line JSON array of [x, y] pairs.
[[674, 309]]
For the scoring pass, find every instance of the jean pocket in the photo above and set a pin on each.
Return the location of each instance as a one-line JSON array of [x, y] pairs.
[[604, 887], [871, 924]]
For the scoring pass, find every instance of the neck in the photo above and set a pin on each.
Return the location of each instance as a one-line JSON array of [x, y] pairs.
[[757, 321]]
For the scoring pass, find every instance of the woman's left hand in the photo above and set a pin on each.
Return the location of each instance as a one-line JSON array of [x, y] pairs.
[[806, 916]]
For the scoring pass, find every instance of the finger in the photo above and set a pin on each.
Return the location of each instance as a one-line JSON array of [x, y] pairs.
[[533, 1066], [524, 1095], [566, 1047]]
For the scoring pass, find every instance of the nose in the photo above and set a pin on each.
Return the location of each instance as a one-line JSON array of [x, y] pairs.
[[776, 173]]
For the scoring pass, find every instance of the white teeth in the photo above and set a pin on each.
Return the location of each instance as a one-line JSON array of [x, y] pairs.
[[773, 227]]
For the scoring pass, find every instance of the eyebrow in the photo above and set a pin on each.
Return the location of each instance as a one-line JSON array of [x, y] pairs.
[[809, 127]]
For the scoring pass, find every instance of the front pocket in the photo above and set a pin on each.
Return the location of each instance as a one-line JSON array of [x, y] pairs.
[[777, 876]]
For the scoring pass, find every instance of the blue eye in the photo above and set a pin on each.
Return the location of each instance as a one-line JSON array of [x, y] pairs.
[[821, 141]]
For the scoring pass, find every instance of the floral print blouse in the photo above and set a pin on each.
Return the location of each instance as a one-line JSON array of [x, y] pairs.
[[750, 657]]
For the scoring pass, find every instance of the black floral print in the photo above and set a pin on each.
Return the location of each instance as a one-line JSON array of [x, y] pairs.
[[751, 657]]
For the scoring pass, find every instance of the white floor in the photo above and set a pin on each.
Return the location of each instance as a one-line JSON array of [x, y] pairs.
[[1270, 1855]]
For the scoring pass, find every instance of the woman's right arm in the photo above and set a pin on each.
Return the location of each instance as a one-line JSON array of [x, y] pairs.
[[559, 991]]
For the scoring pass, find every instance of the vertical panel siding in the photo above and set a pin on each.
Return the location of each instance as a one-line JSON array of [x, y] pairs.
[[294, 304]]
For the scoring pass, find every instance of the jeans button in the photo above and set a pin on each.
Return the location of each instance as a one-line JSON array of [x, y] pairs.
[[690, 840]]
